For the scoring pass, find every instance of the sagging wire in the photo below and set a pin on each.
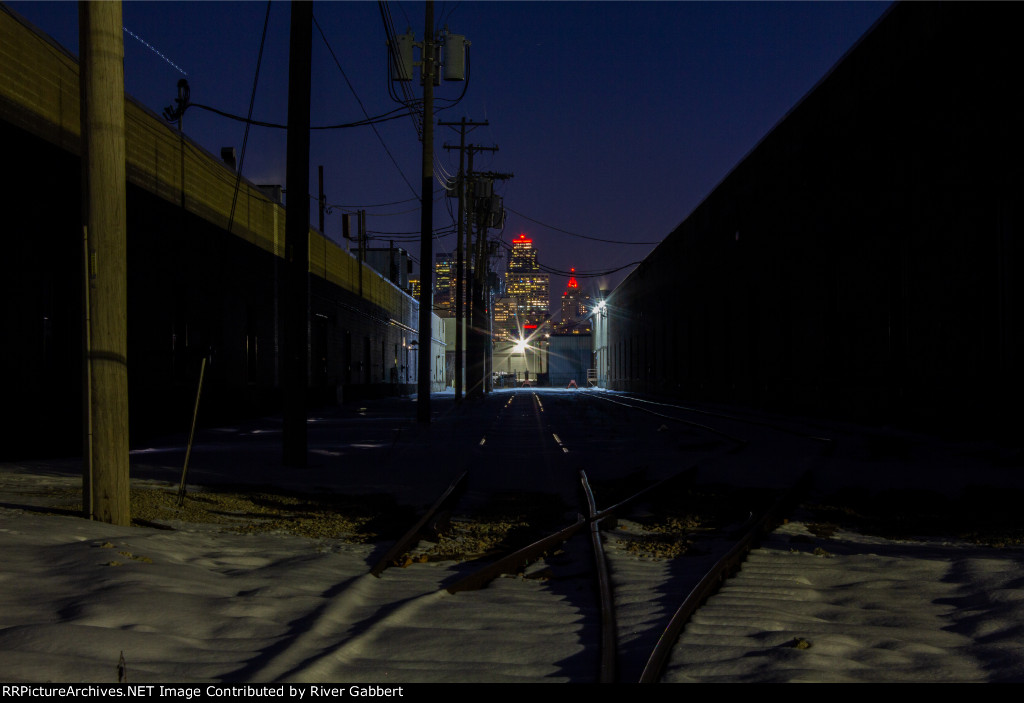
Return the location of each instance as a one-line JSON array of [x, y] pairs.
[[275, 125], [361, 106], [577, 274], [358, 207], [252, 101], [409, 100], [438, 195], [574, 234]]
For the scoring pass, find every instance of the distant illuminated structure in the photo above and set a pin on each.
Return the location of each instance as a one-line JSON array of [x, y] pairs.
[[414, 287], [444, 286], [526, 290], [575, 309], [505, 325]]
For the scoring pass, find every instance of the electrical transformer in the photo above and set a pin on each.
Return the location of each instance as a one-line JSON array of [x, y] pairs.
[[400, 57], [455, 57]]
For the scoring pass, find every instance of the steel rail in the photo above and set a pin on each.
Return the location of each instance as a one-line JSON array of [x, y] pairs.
[[515, 561], [402, 545], [739, 441], [716, 576], [728, 416], [689, 474], [609, 627]]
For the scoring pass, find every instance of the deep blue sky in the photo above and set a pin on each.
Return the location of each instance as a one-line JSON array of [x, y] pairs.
[[617, 118]]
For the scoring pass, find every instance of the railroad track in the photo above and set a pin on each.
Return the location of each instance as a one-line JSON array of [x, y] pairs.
[[492, 471], [660, 509]]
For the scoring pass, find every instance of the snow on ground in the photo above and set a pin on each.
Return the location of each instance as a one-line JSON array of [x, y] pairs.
[[198, 605], [201, 604], [864, 610]]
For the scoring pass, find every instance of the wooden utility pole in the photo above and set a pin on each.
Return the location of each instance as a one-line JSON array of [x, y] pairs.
[[426, 225], [105, 485], [295, 310], [474, 345], [478, 344], [460, 263]]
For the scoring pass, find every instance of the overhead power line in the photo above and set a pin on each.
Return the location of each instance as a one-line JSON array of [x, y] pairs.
[[275, 125], [438, 195], [396, 202], [574, 234], [361, 106], [252, 102]]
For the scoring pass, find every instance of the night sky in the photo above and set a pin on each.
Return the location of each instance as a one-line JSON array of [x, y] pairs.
[[616, 118]]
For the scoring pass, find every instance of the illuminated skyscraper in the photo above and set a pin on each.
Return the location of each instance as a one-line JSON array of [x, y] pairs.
[[575, 314], [526, 285], [505, 324], [444, 286]]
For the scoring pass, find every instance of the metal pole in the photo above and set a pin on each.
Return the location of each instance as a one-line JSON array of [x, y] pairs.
[[191, 435]]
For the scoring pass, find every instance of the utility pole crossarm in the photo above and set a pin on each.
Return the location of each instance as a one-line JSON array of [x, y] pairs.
[[463, 122], [493, 176]]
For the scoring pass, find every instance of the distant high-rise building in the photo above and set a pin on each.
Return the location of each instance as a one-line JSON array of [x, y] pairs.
[[526, 286], [414, 287], [575, 310], [444, 285], [505, 324]]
